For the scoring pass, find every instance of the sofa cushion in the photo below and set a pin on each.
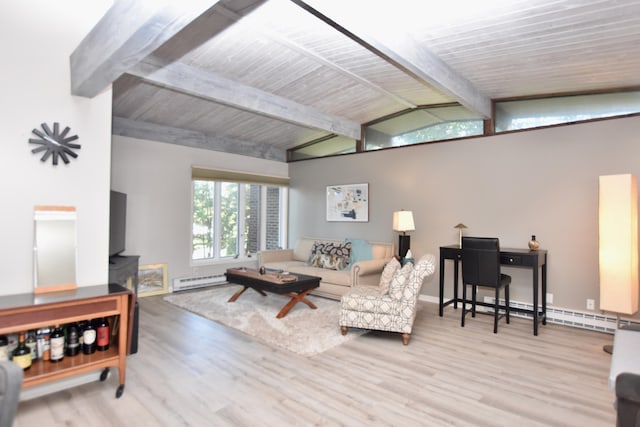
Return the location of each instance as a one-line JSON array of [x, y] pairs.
[[341, 277], [399, 280], [302, 251], [387, 274]]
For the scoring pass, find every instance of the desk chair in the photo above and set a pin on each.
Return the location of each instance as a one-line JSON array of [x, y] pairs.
[[481, 267]]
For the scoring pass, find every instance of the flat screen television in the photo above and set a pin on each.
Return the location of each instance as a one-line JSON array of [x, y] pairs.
[[117, 223]]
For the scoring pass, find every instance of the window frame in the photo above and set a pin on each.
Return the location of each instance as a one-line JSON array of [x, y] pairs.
[[217, 177]]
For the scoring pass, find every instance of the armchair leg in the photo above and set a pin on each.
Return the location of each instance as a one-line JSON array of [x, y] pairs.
[[344, 329], [405, 338]]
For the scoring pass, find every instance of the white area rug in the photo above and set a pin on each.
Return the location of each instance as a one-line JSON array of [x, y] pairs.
[[303, 331]]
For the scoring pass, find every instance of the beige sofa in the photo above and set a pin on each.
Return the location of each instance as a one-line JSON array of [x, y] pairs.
[[334, 283]]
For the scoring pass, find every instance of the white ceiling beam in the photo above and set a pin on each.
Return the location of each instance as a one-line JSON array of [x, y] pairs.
[[129, 32], [209, 86], [403, 52], [149, 131]]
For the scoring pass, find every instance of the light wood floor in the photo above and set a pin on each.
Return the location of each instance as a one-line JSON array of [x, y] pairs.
[[190, 371]]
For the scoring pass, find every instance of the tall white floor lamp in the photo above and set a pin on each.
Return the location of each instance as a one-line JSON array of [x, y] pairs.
[[618, 245]]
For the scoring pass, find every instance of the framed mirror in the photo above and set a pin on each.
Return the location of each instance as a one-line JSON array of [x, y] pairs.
[[54, 248]]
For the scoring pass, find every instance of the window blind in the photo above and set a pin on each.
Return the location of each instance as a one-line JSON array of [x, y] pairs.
[[203, 174]]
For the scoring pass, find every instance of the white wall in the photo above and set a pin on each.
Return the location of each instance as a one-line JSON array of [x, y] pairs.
[[36, 39], [157, 180], [542, 182]]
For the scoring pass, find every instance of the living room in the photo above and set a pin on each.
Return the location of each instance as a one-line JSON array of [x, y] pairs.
[[542, 182]]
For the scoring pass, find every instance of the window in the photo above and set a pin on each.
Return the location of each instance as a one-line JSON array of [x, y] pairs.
[[423, 124], [235, 219], [532, 113], [326, 146]]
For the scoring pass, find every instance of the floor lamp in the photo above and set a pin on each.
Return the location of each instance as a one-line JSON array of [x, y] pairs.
[[403, 222], [618, 245]]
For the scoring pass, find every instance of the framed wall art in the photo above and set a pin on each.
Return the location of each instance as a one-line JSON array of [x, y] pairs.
[[152, 280], [348, 202]]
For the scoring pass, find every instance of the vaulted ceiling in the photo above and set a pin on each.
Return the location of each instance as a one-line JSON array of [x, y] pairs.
[[257, 77]]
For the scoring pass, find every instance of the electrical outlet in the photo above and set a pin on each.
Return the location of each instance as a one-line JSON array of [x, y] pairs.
[[591, 304], [549, 298]]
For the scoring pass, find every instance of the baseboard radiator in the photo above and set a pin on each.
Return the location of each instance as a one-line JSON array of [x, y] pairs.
[[194, 282], [562, 316]]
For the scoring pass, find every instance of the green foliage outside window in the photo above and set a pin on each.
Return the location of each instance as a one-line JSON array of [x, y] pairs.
[[440, 131]]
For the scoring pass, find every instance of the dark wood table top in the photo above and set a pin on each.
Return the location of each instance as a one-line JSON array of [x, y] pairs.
[[272, 281]]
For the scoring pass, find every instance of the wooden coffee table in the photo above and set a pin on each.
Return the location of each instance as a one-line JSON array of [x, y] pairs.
[[295, 286]]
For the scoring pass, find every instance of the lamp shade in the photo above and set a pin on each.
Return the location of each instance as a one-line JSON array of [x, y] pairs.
[[618, 243], [403, 221]]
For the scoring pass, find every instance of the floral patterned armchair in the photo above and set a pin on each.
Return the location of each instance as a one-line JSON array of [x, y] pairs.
[[392, 305]]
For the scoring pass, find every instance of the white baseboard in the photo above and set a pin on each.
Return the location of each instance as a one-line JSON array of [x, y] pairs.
[[562, 316]]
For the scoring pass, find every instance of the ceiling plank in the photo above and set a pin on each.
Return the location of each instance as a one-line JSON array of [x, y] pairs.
[[144, 130], [199, 83], [142, 26], [405, 53]]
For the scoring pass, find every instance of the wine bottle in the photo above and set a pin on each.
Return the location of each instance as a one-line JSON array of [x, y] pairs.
[[57, 344], [22, 354], [73, 339], [30, 342], [102, 332], [4, 348], [89, 339]]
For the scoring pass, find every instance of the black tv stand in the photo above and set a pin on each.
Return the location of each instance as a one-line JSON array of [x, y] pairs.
[[123, 270], [113, 259]]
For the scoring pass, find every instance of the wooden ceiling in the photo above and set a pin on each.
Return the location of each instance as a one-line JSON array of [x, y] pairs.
[[257, 77]]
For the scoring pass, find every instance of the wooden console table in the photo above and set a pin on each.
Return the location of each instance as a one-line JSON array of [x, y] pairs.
[[23, 312]]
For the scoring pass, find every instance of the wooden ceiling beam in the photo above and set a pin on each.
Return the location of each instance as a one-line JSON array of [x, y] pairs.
[[403, 52], [149, 131], [212, 87], [130, 31]]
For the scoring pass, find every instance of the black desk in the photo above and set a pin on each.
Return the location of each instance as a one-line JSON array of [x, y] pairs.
[[512, 257]]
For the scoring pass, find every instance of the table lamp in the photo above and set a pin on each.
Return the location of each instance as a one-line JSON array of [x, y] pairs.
[[618, 245], [460, 227], [403, 222]]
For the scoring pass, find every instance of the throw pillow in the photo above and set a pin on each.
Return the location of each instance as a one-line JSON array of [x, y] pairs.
[[399, 280], [342, 250], [361, 250], [387, 274], [317, 248], [332, 262]]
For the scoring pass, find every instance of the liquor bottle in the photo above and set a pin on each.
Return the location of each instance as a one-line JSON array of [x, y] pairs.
[[30, 342], [22, 354], [89, 339], [46, 343], [73, 339], [4, 348], [57, 344], [102, 334]]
